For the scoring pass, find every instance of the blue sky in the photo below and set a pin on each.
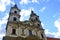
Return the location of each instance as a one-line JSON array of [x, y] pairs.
[[47, 10]]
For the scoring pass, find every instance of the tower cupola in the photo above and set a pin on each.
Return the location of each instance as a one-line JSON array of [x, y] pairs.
[[14, 14]]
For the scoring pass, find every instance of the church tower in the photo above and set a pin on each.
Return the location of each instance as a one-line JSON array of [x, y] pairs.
[[23, 30], [34, 19]]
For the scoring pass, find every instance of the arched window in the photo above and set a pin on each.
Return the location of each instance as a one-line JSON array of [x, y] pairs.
[[15, 11], [23, 31], [13, 31], [42, 36], [38, 24], [30, 32], [36, 19], [14, 19]]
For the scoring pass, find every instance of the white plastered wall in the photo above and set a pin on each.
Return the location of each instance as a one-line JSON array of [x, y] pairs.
[[33, 32], [9, 30], [26, 32], [39, 34]]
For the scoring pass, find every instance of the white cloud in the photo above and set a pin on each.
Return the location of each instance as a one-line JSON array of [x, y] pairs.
[[2, 7], [28, 1], [42, 9], [42, 25], [48, 32], [24, 1], [0, 28], [54, 16], [57, 24], [24, 13], [55, 34], [4, 3], [12, 2], [3, 21], [57, 14], [35, 1], [1, 35]]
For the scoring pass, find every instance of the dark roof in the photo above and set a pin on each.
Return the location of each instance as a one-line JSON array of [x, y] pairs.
[[15, 6], [50, 38], [32, 13]]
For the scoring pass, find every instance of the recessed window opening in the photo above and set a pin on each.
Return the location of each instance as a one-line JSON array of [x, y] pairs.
[[13, 31], [30, 32], [15, 11], [14, 19], [42, 35], [38, 24]]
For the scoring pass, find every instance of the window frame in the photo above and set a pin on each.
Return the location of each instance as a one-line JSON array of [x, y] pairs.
[[14, 19], [15, 12], [14, 31], [30, 32], [42, 35]]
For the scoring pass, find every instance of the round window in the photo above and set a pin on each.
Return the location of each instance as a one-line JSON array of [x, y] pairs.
[[15, 11]]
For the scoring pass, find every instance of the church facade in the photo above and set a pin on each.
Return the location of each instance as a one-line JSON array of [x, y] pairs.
[[23, 30]]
